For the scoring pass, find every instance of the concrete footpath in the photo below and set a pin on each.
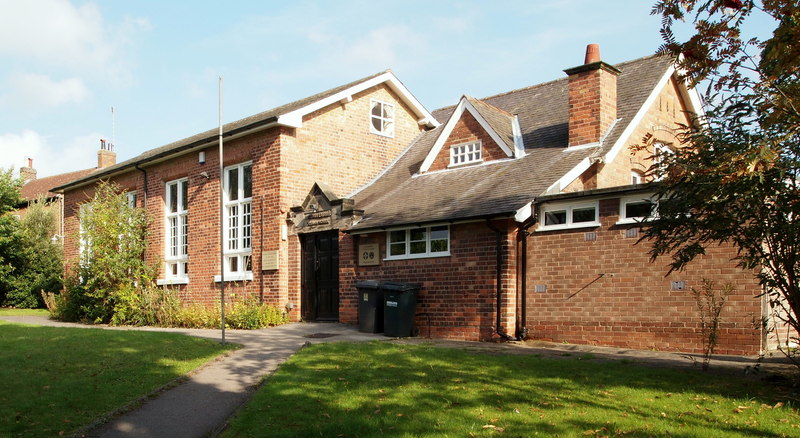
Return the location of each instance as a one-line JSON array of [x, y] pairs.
[[200, 405]]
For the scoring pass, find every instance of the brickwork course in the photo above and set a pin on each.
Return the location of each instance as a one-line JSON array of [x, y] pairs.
[[471, 235]]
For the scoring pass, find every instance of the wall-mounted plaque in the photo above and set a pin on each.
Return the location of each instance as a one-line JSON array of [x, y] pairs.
[[368, 255], [269, 260]]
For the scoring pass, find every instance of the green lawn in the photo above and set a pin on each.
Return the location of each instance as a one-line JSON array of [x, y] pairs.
[[383, 389], [23, 312], [57, 380]]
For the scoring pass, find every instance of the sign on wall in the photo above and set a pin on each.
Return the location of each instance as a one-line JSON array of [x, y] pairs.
[[368, 254]]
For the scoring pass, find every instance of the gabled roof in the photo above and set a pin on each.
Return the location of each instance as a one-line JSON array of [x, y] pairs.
[[38, 188], [290, 115], [403, 195], [496, 122]]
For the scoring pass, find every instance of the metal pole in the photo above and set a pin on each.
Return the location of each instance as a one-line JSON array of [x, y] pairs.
[[221, 221]]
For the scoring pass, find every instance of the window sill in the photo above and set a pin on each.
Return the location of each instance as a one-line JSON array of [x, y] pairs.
[[418, 256], [455, 166], [569, 227], [633, 221], [171, 281], [247, 276]]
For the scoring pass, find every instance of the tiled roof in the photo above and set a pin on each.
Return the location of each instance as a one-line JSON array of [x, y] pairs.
[[500, 121], [211, 135], [401, 196], [37, 188]]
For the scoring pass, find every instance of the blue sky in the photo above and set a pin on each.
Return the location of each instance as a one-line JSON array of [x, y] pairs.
[[65, 63]]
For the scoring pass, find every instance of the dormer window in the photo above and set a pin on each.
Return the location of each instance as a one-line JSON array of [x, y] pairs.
[[465, 153], [381, 117]]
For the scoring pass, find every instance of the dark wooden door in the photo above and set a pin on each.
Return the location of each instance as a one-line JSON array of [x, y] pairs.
[[320, 272]]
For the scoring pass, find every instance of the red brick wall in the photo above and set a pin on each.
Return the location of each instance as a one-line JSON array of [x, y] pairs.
[[632, 305], [334, 147], [457, 298], [466, 130]]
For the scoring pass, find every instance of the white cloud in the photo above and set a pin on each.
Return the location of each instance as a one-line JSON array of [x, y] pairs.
[[49, 159], [35, 90], [58, 33]]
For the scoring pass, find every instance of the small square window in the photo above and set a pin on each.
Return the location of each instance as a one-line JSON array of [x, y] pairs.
[[558, 217]]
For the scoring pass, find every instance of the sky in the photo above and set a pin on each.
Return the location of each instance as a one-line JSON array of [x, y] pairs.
[[65, 63]]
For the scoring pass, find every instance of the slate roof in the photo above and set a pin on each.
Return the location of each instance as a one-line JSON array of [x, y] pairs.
[[500, 121], [212, 135], [40, 187], [401, 196]]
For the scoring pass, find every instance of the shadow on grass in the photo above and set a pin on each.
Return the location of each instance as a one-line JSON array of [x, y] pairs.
[[59, 379], [396, 390]]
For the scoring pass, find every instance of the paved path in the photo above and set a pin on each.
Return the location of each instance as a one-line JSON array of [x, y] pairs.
[[201, 405]]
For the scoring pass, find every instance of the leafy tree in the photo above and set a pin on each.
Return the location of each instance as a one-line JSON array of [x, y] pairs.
[[10, 233], [40, 266], [112, 268], [737, 180]]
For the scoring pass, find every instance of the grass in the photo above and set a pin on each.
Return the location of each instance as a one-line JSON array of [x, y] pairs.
[[377, 389], [23, 312], [57, 380]]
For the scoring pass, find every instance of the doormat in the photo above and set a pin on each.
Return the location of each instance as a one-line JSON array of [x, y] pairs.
[[320, 335]]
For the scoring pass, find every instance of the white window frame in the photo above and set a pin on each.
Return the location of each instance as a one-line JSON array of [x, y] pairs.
[[238, 220], [176, 233], [407, 243], [466, 153], [387, 122], [568, 208], [637, 177], [130, 198], [635, 199], [84, 243]]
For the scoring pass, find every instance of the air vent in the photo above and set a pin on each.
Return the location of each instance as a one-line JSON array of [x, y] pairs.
[[678, 285], [541, 288], [632, 232], [591, 236]]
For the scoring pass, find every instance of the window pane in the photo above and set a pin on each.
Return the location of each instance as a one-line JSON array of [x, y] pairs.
[[439, 233], [555, 217], [376, 109], [247, 262], [439, 239], [397, 236], [397, 249], [439, 246], [418, 247], [638, 209], [248, 181], [233, 184], [418, 234], [184, 195], [246, 225], [233, 264], [173, 197], [580, 215], [184, 236]]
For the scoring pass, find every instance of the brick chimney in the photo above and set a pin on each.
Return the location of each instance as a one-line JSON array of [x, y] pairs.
[[592, 98], [28, 173], [106, 155]]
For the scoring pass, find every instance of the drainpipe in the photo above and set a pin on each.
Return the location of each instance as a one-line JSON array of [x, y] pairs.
[[524, 233], [499, 251], [144, 172]]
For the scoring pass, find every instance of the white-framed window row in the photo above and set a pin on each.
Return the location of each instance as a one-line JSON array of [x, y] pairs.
[[636, 208], [563, 216], [238, 219], [176, 242], [466, 153], [381, 118], [418, 242]]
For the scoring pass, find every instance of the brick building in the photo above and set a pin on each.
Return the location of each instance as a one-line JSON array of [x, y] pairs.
[[517, 215]]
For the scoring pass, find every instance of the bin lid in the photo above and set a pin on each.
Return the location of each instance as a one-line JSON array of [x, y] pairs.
[[367, 284], [400, 286]]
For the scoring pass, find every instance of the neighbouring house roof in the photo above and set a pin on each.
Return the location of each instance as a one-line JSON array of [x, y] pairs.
[[402, 195], [290, 114], [40, 187]]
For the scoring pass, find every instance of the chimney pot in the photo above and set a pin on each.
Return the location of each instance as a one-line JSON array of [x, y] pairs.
[[592, 54], [30, 163]]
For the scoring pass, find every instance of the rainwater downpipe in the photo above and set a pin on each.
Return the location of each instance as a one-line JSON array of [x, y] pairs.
[[524, 233], [499, 251], [144, 172]]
